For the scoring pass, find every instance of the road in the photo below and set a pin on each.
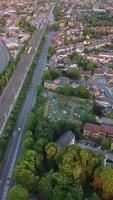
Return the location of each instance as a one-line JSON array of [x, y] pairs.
[[4, 57], [11, 92], [103, 153], [17, 137]]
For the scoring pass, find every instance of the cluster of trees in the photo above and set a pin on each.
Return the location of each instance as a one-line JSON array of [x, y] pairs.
[[81, 91], [4, 138], [53, 173], [58, 15], [27, 26], [51, 74], [51, 51], [83, 62], [55, 26], [99, 20], [94, 34]]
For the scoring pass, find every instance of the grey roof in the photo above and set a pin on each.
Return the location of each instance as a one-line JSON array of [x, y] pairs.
[[65, 139], [107, 121]]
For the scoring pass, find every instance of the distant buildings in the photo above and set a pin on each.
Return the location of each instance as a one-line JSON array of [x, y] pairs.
[[94, 130]]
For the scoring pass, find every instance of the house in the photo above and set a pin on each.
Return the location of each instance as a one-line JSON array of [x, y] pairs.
[[106, 121], [104, 101], [66, 139], [98, 130], [59, 82]]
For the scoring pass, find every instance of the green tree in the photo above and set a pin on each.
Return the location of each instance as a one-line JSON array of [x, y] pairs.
[[26, 178], [74, 73], [88, 117], [105, 143], [82, 92], [94, 197], [97, 109], [28, 143], [66, 41], [103, 183], [68, 90], [18, 193], [57, 194], [51, 51], [45, 187]]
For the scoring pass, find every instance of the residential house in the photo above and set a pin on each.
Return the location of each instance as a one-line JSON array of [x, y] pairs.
[[98, 130], [57, 83], [66, 139]]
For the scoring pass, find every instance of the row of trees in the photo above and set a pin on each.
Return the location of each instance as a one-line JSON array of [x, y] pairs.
[[81, 91], [17, 108], [99, 20], [51, 74]]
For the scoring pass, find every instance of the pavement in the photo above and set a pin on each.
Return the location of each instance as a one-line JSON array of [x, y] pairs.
[[15, 147], [4, 57], [12, 90]]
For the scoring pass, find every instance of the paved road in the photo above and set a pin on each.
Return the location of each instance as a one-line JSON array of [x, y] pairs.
[[4, 57], [17, 137], [104, 153], [11, 92]]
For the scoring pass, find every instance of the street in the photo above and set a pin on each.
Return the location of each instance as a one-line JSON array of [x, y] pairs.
[[11, 92], [17, 137], [4, 57]]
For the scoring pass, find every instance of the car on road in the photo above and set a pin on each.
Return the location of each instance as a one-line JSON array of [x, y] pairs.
[[19, 129]]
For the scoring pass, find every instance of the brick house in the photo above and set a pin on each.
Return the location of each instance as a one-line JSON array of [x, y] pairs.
[[57, 83], [98, 130]]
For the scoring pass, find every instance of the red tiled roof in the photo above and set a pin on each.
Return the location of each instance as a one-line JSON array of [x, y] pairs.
[[98, 128], [92, 127]]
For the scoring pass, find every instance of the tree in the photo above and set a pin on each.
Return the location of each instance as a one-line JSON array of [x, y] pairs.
[[55, 26], [52, 150], [40, 145], [82, 92], [66, 41], [68, 90], [28, 143], [51, 51], [18, 193], [31, 122], [74, 73], [105, 143], [47, 75], [54, 74], [26, 178], [57, 194], [88, 117], [103, 183], [94, 197], [97, 109], [45, 187]]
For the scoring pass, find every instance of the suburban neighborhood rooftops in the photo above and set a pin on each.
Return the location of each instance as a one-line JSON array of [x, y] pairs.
[[98, 128]]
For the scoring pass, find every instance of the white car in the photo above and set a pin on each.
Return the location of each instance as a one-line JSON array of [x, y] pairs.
[[19, 129]]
